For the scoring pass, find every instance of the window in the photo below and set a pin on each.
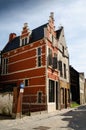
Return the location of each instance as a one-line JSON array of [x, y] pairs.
[[51, 91], [40, 97], [62, 96], [25, 41], [64, 70], [39, 56], [60, 68], [68, 96], [63, 50], [49, 57], [55, 61], [4, 66], [26, 82], [22, 42]]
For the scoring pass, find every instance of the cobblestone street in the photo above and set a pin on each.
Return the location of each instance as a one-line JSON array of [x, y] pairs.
[[67, 119]]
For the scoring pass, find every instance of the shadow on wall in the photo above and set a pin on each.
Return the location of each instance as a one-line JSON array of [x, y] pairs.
[[76, 118]]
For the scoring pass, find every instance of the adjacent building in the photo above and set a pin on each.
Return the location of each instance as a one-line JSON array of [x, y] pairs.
[[0, 62], [74, 85], [38, 60], [82, 88], [64, 78], [85, 90]]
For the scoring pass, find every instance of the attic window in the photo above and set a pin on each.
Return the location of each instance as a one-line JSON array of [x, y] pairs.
[[24, 41], [4, 65]]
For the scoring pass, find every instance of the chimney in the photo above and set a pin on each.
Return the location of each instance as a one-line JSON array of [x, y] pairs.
[[12, 36], [52, 15], [25, 24]]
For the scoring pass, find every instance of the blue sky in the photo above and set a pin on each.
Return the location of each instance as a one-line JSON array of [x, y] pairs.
[[69, 13]]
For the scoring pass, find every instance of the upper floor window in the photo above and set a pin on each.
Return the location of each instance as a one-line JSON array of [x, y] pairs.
[[64, 70], [60, 68], [63, 50], [49, 56], [55, 62], [39, 56], [4, 66]]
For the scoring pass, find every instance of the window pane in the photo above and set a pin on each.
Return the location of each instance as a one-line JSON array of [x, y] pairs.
[[62, 96], [49, 57], [39, 57], [25, 41], [39, 61], [26, 82], [60, 68], [39, 51], [22, 41]]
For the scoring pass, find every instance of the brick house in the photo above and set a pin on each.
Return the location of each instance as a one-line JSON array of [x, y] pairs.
[[32, 59]]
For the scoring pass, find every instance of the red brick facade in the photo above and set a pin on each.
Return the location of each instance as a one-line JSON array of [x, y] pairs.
[[29, 64]]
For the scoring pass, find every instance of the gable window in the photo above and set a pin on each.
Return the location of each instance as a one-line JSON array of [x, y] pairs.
[[4, 66], [49, 57], [39, 56], [39, 99], [24, 41], [51, 91]]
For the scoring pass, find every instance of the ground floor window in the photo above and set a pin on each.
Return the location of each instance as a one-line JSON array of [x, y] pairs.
[[62, 95], [39, 97], [26, 82], [68, 96], [51, 91]]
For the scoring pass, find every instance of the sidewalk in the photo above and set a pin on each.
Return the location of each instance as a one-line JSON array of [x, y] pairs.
[[44, 121]]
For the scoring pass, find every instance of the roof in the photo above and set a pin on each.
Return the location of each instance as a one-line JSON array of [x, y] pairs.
[[58, 32], [37, 34], [12, 45]]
